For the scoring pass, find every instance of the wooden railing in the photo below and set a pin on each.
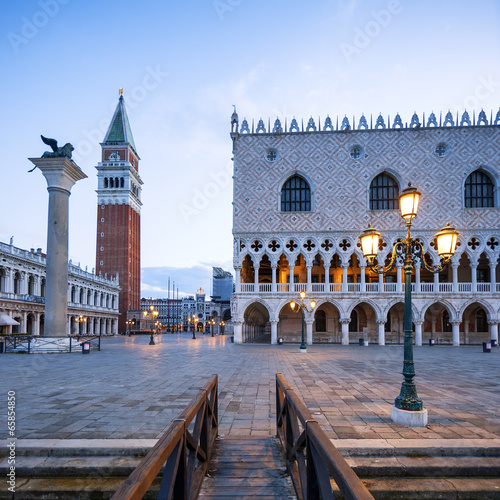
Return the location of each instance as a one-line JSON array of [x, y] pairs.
[[183, 452], [311, 458]]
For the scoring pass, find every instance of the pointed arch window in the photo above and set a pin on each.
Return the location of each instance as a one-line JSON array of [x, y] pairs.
[[296, 195], [384, 193], [478, 190], [320, 321]]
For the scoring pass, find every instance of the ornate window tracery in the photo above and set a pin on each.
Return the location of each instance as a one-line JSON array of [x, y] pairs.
[[296, 195]]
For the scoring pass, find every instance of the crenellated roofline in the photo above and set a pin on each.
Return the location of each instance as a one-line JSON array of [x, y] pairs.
[[362, 124]]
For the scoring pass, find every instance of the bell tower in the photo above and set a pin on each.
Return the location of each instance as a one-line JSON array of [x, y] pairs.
[[118, 251]]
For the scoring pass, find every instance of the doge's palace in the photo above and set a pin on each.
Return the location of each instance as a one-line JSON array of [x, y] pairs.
[[305, 191]]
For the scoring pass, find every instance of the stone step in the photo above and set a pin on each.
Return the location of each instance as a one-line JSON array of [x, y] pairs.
[[69, 488], [430, 488], [425, 466]]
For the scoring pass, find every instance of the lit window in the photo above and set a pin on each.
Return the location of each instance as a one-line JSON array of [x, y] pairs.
[[384, 193], [296, 195]]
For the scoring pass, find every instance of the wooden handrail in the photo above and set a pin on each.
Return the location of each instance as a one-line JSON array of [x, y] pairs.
[[183, 452], [311, 458]]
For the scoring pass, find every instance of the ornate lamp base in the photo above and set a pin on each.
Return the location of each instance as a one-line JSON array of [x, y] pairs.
[[409, 418], [302, 349]]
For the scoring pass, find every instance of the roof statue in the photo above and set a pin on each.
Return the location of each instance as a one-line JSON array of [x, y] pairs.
[[63, 152]]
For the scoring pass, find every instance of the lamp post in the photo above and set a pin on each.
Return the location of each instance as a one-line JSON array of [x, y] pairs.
[[129, 324], [212, 323], [302, 307], [194, 320], [153, 314], [408, 251], [221, 324]]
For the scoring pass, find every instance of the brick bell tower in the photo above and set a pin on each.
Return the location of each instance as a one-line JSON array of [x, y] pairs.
[[118, 249]]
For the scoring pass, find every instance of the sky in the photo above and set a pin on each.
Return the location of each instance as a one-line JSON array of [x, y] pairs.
[[182, 66]]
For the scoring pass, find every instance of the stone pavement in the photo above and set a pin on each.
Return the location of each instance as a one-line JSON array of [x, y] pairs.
[[131, 390]]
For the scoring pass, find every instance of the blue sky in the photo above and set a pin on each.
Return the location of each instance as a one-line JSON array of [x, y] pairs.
[[182, 66]]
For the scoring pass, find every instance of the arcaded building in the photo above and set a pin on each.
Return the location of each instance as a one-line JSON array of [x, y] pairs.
[[92, 299], [304, 193]]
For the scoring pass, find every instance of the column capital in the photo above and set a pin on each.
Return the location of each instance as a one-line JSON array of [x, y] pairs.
[[494, 322], [59, 172], [345, 321], [381, 322], [455, 322]]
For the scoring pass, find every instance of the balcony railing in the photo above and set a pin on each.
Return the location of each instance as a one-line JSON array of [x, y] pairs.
[[370, 288]]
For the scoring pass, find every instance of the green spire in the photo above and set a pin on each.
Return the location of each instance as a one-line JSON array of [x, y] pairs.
[[119, 129]]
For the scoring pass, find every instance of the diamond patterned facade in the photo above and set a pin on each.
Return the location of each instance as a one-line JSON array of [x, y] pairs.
[[277, 254]]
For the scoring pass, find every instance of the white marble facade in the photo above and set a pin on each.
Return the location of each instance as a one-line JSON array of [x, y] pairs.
[[92, 300], [279, 253]]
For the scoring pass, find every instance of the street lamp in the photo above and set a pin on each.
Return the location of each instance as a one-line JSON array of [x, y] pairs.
[[221, 324], [194, 319], [302, 307], [153, 314], [212, 323], [409, 251]]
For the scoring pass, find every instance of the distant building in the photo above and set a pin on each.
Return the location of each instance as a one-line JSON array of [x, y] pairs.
[[174, 314], [118, 249], [222, 285], [304, 193], [92, 299]]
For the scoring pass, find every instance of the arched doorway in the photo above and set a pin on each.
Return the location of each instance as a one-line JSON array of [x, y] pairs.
[[475, 325], [394, 324], [256, 324], [363, 323], [437, 325], [326, 326]]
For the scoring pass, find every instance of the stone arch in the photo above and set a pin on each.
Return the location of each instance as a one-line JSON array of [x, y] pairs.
[[255, 315], [476, 314], [326, 325], [438, 316], [368, 312]]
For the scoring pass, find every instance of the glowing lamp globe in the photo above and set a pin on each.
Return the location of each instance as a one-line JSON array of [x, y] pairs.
[[408, 202], [446, 241]]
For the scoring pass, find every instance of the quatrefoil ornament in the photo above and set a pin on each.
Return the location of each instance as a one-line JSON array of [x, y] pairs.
[[256, 245]]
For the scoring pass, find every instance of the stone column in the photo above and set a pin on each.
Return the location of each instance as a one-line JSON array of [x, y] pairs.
[[309, 279], [493, 278], [494, 331], [273, 271], [237, 272], [418, 332], [24, 322], [237, 332], [454, 269], [436, 282], [344, 278], [455, 328], [327, 278], [36, 330], [256, 279], [60, 174], [381, 283], [274, 331], [473, 272], [381, 332], [362, 270], [345, 330], [309, 330], [292, 283], [417, 277]]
